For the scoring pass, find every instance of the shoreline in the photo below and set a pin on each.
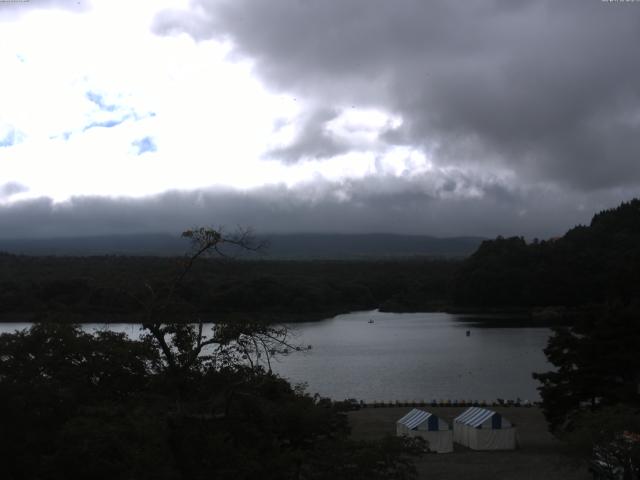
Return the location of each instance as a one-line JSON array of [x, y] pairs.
[[482, 316], [499, 402], [136, 318]]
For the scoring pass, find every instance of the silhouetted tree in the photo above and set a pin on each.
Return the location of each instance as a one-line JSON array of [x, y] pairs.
[[597, 365], [178, 403]]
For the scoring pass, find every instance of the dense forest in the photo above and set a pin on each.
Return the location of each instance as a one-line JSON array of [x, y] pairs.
[[108, 286], [587, 266], [291, 246]]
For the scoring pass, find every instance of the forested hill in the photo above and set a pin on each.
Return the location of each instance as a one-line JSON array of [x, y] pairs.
[[297, 276], [380, 245], [86, 288], [280, 246], [589, 264]]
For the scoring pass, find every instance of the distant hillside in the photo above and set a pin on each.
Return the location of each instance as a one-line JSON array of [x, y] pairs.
[[143, 245], [589, 264], [105, 287], [282, 246], [368, 245]]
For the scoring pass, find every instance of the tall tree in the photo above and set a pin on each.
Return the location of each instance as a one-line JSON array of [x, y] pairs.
[[597, 364]]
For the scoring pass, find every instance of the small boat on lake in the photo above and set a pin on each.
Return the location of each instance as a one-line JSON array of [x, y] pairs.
[[371, 320]]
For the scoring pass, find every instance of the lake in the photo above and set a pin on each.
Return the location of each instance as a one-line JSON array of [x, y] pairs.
[[408, 356]]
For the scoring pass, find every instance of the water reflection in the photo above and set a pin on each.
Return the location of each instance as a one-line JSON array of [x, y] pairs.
[[417, 356], [409, 356]]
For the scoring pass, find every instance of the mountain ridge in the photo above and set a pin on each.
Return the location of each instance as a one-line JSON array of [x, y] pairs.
[[279, 246]]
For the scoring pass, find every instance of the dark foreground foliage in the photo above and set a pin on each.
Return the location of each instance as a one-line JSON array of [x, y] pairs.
[[609, 437], [597, 365], [592, 399], [76, 405]]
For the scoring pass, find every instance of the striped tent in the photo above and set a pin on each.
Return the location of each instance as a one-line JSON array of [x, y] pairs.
[[482, 429], [418, 423]]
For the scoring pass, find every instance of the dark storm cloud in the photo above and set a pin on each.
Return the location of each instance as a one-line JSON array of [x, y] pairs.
[[550, 90], [313, 141], [453, 204]]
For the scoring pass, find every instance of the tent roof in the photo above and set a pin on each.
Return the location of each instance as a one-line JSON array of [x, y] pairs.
[[474, 416], [414, 418]]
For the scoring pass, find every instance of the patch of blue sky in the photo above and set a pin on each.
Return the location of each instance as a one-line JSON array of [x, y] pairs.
[[9, 139], [106, 123], [63, 135], [98, 99], [145, 144]]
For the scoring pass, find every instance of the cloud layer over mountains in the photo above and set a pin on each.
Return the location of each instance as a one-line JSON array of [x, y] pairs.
[[367, 206], [432, 117]]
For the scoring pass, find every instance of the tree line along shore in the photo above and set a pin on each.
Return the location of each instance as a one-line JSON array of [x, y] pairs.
[[548, 280]]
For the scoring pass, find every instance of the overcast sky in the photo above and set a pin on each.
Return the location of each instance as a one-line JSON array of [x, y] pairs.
[[452, 117]]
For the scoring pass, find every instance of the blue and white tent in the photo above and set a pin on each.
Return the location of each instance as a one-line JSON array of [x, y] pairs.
[[482, 429], [418, 423]]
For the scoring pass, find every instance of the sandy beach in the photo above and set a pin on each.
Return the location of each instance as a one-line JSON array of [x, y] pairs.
[[539, 455]]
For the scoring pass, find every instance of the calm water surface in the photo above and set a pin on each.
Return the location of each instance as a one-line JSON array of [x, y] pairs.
[[407, 356]]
